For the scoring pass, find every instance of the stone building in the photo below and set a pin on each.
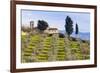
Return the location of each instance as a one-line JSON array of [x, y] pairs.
[[48, 30], [51, 31], [31, 24]]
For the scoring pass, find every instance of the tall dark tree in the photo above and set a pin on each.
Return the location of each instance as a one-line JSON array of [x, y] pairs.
[[68, 26], [77, 30], [42, 25], [69, 31]]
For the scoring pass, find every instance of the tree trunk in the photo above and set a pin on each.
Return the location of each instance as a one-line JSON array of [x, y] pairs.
[[67, 47]]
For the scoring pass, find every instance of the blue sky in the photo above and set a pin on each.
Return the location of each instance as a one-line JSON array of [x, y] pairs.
[[57, 19]]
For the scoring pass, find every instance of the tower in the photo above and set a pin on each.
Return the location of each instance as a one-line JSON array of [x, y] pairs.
[[31, 25]]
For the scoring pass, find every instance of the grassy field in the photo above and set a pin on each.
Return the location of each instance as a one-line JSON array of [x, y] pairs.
[[39, 48]]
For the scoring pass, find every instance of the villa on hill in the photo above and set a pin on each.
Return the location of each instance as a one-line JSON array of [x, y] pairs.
[[48, 30]]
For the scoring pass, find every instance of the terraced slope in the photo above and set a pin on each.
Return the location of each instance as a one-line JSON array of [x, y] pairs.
[[37, 48]]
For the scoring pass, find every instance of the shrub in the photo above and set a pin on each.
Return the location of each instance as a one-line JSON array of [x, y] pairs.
[[50, 35], [61, 35], [73, 39], [84, 41]]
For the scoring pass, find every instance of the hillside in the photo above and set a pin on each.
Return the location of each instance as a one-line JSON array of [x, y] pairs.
[[44, 48]]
